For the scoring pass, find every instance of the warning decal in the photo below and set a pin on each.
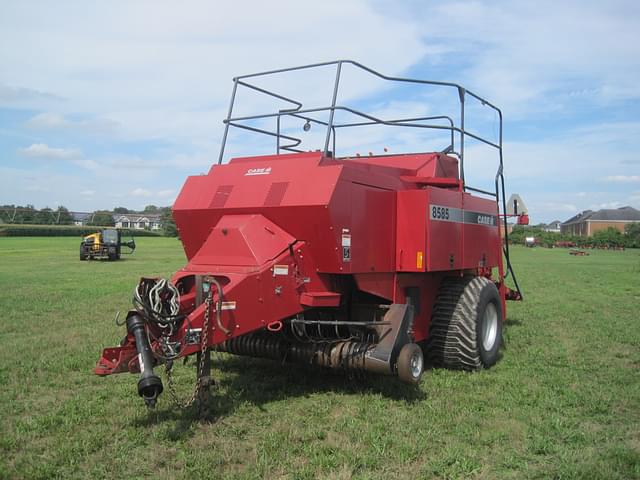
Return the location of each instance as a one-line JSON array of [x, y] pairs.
[[346, 247]]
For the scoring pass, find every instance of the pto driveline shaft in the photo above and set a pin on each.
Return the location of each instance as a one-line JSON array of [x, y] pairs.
[[149, 385]]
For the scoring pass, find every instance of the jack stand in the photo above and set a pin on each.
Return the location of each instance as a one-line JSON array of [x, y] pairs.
[[204, 394]]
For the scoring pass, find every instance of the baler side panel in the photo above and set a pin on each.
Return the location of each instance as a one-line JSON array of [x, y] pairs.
[[372, 229], [444, 229], [481, 241], [411, 231]]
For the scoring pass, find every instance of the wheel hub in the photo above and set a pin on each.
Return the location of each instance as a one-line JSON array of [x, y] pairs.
[[416, 365], [489, 327]]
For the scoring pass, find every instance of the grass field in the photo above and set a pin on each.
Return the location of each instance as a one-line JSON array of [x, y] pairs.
[[564, 401]]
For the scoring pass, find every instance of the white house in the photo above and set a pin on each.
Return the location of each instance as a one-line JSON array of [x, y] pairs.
[[138, 221], [553, 226], [80, 218]]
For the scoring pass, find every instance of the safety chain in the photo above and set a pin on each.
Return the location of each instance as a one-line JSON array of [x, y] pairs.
[[203, 350]]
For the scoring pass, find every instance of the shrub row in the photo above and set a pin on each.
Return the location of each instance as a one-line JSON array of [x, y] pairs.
[[609, 238], [62, 231]]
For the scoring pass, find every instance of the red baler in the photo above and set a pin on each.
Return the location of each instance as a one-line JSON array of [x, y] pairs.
[[359, 263]]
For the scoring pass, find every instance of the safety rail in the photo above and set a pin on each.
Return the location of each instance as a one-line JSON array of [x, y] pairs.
[[307, 115]]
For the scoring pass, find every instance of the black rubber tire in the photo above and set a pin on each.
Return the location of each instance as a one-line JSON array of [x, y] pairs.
[[455, 334], [83, 254], [410, 364]]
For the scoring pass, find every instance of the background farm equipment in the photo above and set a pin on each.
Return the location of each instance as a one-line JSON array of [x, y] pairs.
[[106, 244], [350, 263], [517, 209], [578, 253]]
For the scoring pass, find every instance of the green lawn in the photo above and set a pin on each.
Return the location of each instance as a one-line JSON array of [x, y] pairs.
[[564, 401]]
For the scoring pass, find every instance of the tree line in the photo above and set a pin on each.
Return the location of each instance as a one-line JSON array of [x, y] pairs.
[[609, 238], [29, 215]]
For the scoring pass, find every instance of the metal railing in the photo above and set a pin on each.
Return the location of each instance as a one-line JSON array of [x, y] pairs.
[[308, 115]]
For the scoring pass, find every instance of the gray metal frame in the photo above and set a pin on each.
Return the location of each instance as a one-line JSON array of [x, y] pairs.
[[305, 114]]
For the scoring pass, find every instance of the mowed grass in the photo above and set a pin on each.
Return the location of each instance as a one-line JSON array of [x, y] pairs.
[[564, 401]]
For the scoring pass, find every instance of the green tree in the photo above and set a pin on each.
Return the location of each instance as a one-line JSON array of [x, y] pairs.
[[63, 216], [611, 237], [168, 224], [632, 234], [44, 216], [151, 209], [9, 214], [101, 218], [26, 214], [121, 210]]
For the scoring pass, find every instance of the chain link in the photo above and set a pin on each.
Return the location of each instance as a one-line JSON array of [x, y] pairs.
[[203, 352]]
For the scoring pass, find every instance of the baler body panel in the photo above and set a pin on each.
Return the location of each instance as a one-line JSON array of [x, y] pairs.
[[354, 217], [284, 233]]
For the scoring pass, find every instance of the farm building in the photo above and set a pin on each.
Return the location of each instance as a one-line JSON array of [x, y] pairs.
[[138, 221], [80, 218], [553, 226], [586, 223]]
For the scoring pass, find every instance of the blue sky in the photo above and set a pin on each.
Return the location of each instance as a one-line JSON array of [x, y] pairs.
[[106, 104]]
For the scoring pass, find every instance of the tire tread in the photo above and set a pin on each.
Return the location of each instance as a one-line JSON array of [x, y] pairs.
[[453, 341]]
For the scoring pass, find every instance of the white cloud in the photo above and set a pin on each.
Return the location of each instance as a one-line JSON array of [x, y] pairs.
[[560, 207], [47, 120], [535, 56], [173, 75], [166, 193], [42, 150], [87, 193], [55, 121], [141, 192], [622, 178], [606, 205], [88, 164], [11, 96]]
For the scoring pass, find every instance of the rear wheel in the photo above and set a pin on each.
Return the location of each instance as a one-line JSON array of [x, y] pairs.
[[466, 325]]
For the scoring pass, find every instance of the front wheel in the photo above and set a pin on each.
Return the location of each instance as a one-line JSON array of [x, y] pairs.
[[410, 363]]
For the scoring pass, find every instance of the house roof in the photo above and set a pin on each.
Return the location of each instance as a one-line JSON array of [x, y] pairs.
[[80, 216], [580, 217], [622, 214], [137, 217]]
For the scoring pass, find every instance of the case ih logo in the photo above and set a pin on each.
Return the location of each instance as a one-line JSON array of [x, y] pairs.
[[486, 220], [258, 171]]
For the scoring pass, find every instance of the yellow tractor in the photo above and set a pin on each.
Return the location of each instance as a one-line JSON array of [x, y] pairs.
[[106, 244]]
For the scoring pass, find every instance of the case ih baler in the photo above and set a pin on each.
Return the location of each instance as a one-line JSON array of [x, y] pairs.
[[358, 263]]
